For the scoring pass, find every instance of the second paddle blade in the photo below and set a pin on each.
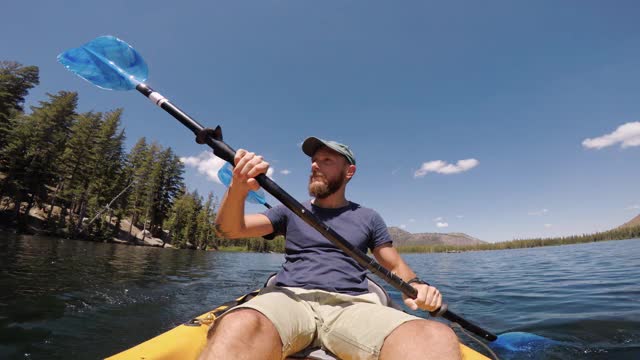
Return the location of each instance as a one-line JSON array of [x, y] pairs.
[[225, 175]]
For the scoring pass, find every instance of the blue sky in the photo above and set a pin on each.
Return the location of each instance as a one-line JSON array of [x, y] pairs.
[[515, 89]]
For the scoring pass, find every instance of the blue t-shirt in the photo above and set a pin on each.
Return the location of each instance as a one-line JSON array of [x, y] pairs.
[[312, 261]]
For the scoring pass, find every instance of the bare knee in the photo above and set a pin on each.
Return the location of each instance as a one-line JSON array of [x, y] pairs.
[[431, 339], [242, 321], [241, 334], [438, 330]]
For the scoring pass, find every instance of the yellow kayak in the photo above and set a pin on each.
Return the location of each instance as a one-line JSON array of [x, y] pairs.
[[187, 341]]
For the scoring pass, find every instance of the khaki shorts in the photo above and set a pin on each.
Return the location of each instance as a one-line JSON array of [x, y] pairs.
[[349, 326]]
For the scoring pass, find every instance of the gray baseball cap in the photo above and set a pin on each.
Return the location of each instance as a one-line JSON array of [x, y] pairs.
[[311, 145]]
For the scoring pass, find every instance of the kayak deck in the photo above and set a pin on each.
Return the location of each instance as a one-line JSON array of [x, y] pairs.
[[187, 341]]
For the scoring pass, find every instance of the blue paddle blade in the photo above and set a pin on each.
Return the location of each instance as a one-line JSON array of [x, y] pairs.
[[107, 62], [521, 342], [225, 174]]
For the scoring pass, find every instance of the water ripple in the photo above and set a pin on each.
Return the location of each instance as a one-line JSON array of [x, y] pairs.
[[60, 297]]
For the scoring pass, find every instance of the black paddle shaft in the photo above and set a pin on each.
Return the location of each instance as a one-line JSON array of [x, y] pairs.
[[225, 152]]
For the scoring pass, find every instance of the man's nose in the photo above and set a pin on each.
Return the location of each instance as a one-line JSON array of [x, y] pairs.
[[314, 166]]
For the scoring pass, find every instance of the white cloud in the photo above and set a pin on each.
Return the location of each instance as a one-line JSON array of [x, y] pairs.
[[633, 207], [285, 172], [627, 134], [539, 212], [439, 218], [208, 164], [548, 225], [442, 167], [403, 226], [442, 224], [460, 216], [412, 220]]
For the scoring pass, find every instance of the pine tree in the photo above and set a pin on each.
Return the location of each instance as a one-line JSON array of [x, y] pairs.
[[205, 234], [34, 146], [150, 180], [165, 180], [107, 175], [172, 182], [182, 222], [137, 172], [15, 82], [76, 161]]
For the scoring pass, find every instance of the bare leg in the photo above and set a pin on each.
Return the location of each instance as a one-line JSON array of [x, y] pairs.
[[421, 339], [243, 335]]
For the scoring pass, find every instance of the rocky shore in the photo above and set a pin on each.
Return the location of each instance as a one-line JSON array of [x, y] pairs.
[[36, 224]]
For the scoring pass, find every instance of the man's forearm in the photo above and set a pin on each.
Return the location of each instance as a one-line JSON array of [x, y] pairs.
[[230, 219], [403, 271], [389, 258]]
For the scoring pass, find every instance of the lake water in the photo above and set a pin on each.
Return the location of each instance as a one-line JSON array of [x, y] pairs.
[[64, 299]]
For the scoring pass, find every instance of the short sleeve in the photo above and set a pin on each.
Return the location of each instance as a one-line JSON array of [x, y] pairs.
[[379, 233], [278, 217]]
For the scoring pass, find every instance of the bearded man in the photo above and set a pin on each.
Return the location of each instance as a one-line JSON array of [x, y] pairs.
[[320, 297]]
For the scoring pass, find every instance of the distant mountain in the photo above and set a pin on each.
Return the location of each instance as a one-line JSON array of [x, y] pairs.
[[631, 223], [403, 238]]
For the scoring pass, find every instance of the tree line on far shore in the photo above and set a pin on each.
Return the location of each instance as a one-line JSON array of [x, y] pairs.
[[72, 170], [621, 233]]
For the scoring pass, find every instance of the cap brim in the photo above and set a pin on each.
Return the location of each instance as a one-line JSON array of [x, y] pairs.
[[311, 144]]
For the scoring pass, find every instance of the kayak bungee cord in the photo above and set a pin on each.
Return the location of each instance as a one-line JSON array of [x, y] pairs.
[[457, 326], [112, 64]]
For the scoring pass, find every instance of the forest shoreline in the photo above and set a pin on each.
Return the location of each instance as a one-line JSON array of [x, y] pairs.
[[33, 224], [36, 225]]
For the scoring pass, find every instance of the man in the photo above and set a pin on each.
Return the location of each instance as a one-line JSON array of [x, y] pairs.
[[320, 297]]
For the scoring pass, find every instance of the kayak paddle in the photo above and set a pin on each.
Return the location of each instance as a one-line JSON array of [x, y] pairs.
[[112, 64]]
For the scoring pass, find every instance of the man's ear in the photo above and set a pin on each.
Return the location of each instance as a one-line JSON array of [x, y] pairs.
[[351, 171]]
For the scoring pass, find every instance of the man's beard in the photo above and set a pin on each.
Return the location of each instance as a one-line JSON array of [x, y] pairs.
[[321, 188]]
